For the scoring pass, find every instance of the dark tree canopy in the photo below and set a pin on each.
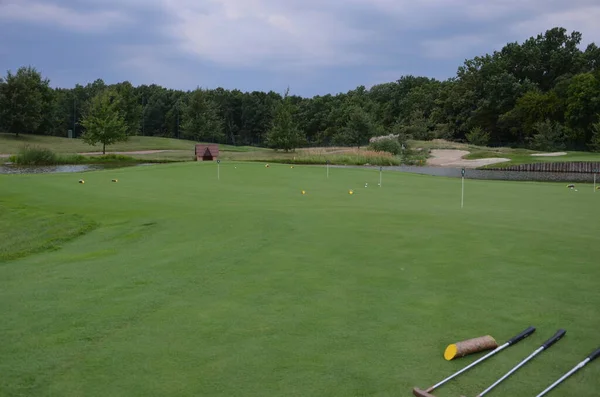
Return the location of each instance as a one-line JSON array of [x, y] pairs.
[[543, 92]]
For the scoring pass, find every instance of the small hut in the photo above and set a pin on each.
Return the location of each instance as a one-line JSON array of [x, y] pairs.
[[207, 152]]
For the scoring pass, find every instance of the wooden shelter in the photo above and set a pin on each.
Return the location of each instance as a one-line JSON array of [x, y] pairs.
[[207, 152]]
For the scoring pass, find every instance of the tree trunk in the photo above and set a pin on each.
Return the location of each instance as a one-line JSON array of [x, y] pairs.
[[103, 148]]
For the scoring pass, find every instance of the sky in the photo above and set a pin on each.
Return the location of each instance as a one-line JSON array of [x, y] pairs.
[[314, 47]]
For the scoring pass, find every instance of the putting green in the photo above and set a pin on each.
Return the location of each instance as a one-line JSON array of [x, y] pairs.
[[170, 282]]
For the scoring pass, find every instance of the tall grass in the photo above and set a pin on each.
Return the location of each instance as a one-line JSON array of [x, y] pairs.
[[349, 157], [33, 155]]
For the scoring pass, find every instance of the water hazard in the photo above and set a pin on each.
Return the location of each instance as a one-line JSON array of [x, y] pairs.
[[496, 175], [433, 171], [55, 169]]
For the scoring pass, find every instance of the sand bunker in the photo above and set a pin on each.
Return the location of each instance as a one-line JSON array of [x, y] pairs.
[[454, 158], [555, 154]]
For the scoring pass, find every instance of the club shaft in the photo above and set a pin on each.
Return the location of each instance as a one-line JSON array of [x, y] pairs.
[[498, 349], [509, 373], [565, 376]]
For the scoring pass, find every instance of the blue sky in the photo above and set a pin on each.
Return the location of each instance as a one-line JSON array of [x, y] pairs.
[[313, 46]]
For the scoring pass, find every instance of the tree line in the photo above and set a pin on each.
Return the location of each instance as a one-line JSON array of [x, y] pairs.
[[543, 93]]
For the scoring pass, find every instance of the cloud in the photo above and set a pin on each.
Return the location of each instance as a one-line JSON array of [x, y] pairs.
[[322, 44], [584, 20], [53, 14], [264, 33], [452, 47]]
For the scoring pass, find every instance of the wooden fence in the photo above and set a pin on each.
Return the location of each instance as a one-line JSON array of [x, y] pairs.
[[582, 167]]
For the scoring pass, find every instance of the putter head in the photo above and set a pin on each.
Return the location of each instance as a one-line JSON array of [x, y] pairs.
[[421, 393]]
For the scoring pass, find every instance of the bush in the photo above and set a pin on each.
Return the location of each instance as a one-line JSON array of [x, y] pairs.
[[32, 155], [549, 136], [386, 145], [478, 137], [595, 142]]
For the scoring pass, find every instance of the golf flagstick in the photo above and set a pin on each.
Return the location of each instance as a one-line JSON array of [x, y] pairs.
[[557, 336], [420, 393], [462, 193], [582, 364]]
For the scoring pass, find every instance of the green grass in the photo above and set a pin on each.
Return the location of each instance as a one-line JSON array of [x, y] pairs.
[[190, 286], [10, 144], [25, 231]]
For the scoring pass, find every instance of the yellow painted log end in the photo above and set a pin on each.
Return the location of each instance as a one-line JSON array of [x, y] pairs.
[[450, 352]]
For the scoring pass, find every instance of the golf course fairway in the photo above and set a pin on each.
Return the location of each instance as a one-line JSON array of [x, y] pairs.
[[170, 282]]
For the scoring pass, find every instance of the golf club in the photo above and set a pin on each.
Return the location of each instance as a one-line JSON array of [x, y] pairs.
[[557, 336], [426, 393], [588, 359]]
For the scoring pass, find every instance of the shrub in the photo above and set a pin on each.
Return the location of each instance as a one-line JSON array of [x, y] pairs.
[[32, 155], [548, 136], [478, 137], [595, 142], [386, 145]]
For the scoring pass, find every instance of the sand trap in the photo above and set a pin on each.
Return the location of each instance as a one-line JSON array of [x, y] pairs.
[[555, 154], [454, 158]]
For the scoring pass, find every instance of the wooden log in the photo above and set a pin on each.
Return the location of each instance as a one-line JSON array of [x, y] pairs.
[[469, 346]]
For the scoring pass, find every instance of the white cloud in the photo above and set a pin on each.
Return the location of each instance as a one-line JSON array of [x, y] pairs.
[[53, 14], [452, 47], [263, 33], [306, 35], [583, 20]]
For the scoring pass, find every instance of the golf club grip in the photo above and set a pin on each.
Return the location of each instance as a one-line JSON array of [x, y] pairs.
[[594, 355], [557, 336], [521, 336]]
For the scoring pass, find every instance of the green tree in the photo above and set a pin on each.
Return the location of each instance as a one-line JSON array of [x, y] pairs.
[[103, 122], [201, 118], [549, 136], [23, 100], [359, 127], [595, 142], [284, 133], [129, 106], [477, 136], [582, 104]]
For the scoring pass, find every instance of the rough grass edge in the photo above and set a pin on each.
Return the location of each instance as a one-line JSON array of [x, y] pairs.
[[53, 244]]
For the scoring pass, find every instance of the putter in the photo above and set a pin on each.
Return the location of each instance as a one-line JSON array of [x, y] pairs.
[[582, 364], [426, 393], [557, 336]]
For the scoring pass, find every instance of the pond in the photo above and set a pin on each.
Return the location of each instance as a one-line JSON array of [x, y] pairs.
[[433, 171], [496, 175], [53, 169]]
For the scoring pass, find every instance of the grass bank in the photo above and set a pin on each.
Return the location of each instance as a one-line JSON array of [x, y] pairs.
[[195, 286], [9, 144]]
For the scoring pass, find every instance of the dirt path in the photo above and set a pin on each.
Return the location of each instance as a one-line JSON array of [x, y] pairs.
[[454, 158]]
